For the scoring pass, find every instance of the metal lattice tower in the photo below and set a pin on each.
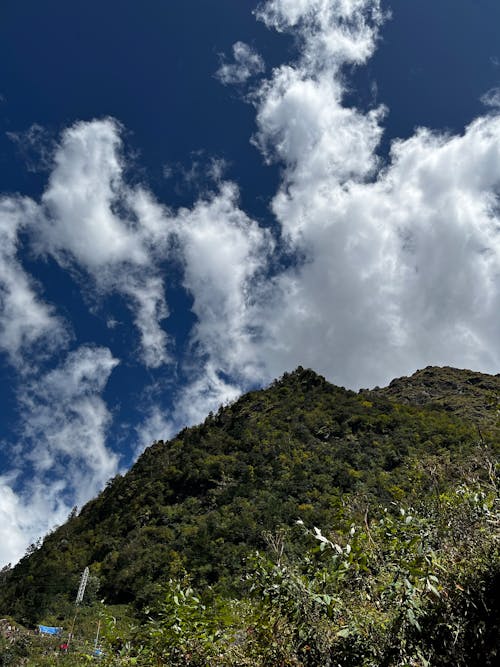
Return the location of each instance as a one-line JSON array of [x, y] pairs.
[[83, 584]]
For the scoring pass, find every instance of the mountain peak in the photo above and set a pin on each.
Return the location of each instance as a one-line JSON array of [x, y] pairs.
[[304, 376]]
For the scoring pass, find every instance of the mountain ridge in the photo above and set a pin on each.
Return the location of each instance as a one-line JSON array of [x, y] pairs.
[[471, 394]]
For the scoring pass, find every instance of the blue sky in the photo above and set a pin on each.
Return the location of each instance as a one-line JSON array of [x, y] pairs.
[[196, 197]]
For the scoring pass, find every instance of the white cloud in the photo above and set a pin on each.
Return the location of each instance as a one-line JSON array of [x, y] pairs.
[[24, 519], [25, 320], [402, 262], [13, 541], [62, 448], [223, 253], [332, 32], [93, 222], [150, 310], [399, 262], [492, 98], [401, 272], [84, 190], [301, 122], [65, 419], [247, 63], [157, 425]]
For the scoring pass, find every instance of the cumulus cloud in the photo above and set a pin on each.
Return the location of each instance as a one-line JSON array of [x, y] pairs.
[[402, 271], [92, 222], [396, 263], [223, 252], [83, 195], [303, 124], [331, 33], [247, 63], [401, 259]]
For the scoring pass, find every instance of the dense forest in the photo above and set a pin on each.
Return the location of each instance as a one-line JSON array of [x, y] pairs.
[[304, 524]]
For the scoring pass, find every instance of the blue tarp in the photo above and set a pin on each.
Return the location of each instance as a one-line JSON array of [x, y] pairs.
[[47, 630]]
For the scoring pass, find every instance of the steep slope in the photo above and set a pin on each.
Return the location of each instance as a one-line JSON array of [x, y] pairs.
[[302, 447]]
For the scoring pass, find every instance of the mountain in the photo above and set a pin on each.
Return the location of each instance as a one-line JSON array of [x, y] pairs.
[[203, 501]]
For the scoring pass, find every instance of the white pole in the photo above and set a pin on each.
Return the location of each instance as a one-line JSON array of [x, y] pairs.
[[97, 635], [79, 598]]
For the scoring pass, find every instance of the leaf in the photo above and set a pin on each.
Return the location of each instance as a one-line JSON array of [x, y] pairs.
[[344, 633], [412, 619], [433, 589]]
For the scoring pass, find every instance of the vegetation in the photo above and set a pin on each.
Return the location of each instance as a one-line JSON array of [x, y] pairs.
[[302, 525]]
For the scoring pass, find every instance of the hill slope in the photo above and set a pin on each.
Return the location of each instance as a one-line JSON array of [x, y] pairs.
[[300, 448]]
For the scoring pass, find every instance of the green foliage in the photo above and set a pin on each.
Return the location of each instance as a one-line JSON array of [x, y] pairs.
[[402, 590], [399, 589], [184, 629], [12, 653]]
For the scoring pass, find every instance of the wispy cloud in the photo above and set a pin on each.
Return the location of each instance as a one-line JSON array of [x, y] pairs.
[[247, 63], [65, 418], [36, 147], [156, 425], [26, 321], [492, 98], [61, 447]]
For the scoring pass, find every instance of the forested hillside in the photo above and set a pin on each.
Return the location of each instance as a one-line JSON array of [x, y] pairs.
[[307, 504]]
